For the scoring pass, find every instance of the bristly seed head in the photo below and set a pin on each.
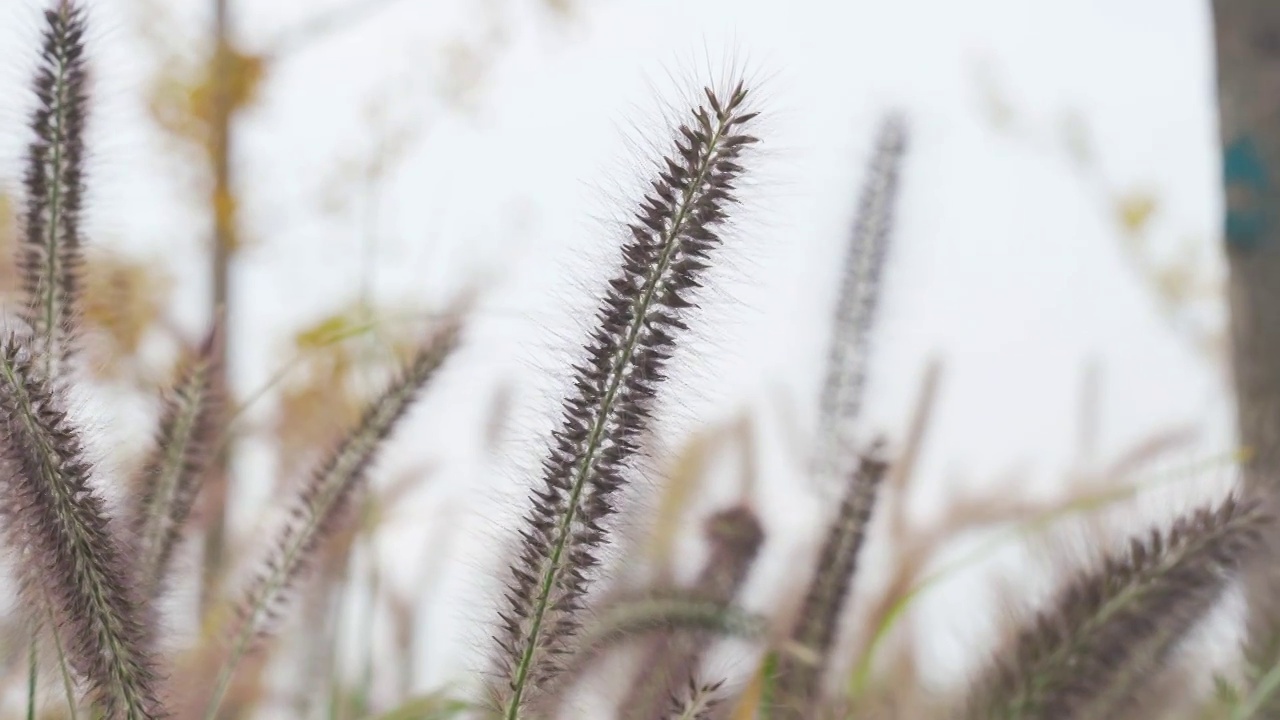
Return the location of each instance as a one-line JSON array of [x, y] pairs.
[[173, 473], [860, 281], [802, 668], [1112, 627], [78, 567], [676, 228], [50, 256]]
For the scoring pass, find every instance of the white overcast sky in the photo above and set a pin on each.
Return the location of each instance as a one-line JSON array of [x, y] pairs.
[[1006, 262]]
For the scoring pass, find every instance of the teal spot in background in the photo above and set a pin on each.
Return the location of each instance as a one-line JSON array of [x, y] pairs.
[[1242, 165], [1247, 181], [1245, 229]]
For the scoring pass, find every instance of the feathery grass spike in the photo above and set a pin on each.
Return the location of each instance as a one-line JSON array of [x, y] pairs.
[[805, 660], [171, 477], [50, 254], [77, 560], [856, 306], [1117, 624], [323, 501], [677, 226]]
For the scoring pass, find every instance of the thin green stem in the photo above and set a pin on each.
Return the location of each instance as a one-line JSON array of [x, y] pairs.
[[67, 686], [271, 586], [1265, 689], [33, 672], [51, 284], [338, 476]]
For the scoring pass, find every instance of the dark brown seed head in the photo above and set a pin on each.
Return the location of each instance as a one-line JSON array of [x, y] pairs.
[[677, 226]]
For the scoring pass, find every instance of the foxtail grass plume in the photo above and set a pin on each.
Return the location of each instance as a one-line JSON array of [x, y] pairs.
[[806, 656], [50, 254], [75, 561], [859, 294], [325, 499], [678, 225], [1113, 627], [172, 474]]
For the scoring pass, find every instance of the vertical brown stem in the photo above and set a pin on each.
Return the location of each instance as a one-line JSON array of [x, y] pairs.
[[1248, 54], [222, 205], [1247, 36]]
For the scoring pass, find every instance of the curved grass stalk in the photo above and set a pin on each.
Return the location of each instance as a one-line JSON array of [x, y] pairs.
[[629, 619], [320, 506], [171, 477], [1260, 697]]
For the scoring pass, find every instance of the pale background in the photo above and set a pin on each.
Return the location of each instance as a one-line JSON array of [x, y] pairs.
[[1008, 261]]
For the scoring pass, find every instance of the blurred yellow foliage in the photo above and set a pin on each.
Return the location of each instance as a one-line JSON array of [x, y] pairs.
[[8, 239], [329, 331], [1179, 282], [183, 102], [123, 299], [1134, 210], [6, 220], [182, 97], [563, 8], [336, 356]]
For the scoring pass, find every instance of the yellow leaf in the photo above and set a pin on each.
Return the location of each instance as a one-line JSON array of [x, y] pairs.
[[1134, 211], [331, 330], [749, 703]]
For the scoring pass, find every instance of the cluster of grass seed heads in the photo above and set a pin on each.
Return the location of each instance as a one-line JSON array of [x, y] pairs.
[[90, 580], [75, 572]]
